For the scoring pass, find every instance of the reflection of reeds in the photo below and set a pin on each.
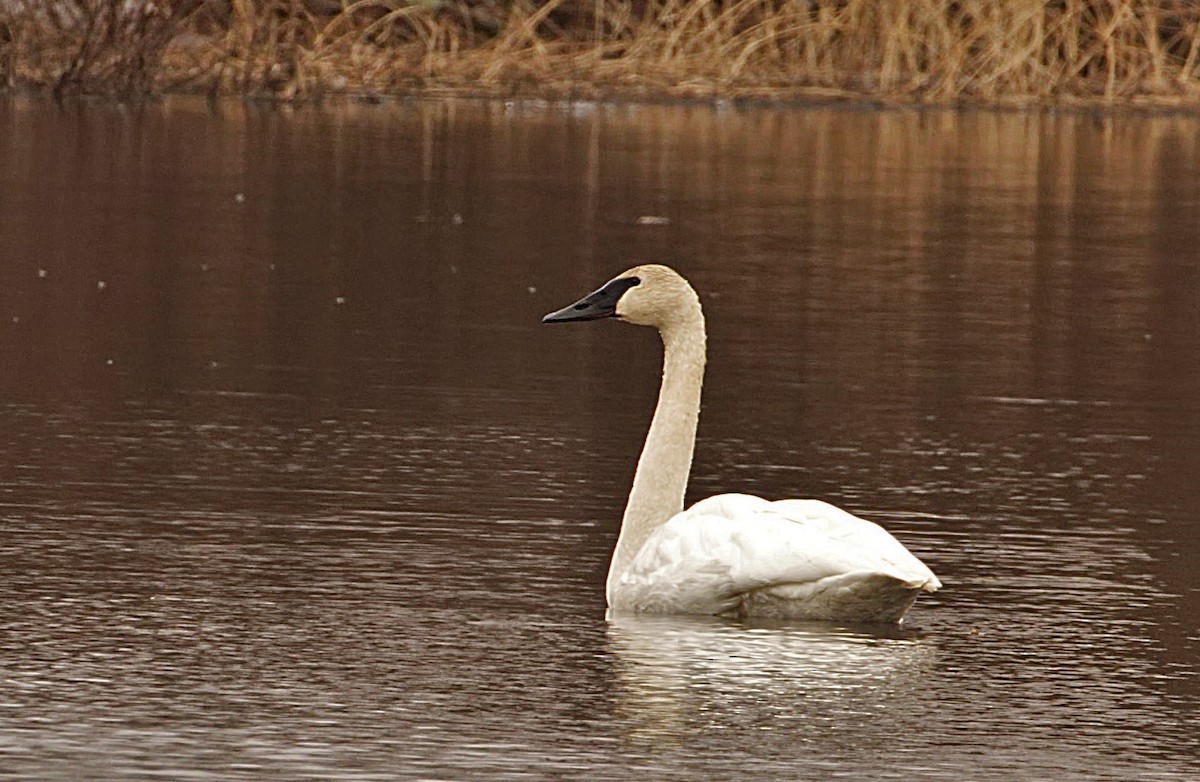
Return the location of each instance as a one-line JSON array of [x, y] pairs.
[[923, 50]]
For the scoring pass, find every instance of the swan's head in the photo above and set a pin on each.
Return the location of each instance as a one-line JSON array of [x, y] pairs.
[[648, 295]]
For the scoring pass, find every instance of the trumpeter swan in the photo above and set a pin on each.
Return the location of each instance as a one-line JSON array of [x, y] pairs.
[[732, 554]]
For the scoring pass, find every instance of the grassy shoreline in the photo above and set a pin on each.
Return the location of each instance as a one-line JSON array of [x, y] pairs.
[[1016, 53]]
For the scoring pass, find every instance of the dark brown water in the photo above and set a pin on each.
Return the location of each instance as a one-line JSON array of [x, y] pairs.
[[294, 485]]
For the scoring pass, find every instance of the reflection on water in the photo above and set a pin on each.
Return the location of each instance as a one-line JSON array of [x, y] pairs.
[[294, 485], [674, 672]]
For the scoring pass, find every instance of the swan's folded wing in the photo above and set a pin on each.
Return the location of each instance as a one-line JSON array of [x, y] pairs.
[[729, 545], [864, 536]]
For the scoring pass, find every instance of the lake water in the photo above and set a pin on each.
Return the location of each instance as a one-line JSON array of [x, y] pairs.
[[294, 485]]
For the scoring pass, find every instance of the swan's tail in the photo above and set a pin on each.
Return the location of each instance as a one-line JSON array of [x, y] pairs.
[[930, 584]]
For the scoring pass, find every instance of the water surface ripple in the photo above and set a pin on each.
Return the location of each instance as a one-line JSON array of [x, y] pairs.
[[295, 486]]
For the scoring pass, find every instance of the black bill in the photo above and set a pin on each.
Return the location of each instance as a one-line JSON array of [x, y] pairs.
[[599, 304]]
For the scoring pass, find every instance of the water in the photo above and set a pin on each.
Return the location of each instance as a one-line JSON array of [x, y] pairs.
[[295, 486]]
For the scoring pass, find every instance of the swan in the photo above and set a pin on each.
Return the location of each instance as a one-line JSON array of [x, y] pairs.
[[731, 554]]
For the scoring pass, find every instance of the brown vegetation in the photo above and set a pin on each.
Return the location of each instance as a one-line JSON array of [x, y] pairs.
[[930, 51]]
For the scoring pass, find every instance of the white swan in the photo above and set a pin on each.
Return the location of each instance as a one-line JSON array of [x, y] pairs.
[[731, 554]]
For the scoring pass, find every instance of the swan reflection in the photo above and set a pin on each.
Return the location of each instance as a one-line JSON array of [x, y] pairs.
[[679, 674]]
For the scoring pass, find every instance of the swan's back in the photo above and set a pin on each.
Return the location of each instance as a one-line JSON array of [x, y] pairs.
[[738, 554]]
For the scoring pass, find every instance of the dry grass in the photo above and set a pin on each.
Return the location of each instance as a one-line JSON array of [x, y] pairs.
[[930, 51]]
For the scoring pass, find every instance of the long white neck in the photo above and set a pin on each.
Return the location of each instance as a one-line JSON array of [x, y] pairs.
[[662, 472]]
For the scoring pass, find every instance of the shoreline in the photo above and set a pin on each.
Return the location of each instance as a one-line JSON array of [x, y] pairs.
[[553, 96]]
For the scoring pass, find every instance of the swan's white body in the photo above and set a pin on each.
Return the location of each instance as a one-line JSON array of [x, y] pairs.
[[731, 554], [739, 554]]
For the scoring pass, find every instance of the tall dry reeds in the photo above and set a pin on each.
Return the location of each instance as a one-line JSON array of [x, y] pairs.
[[1019, 51], [88, 45]]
